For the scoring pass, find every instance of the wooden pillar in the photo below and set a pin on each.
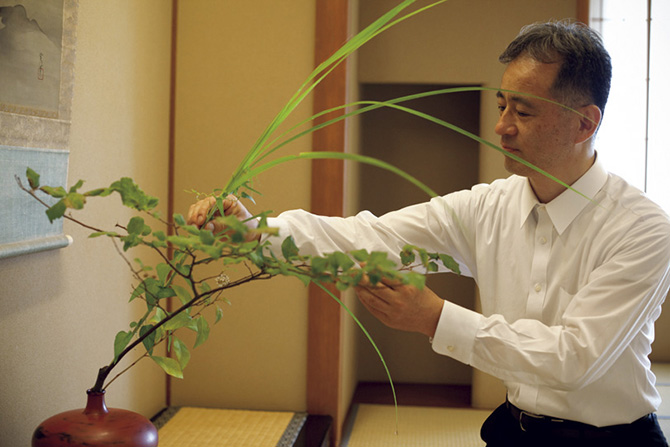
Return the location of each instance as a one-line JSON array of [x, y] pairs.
[[583, 11], [324, 385]]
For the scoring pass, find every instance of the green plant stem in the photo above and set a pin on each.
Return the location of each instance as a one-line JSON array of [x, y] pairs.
[[369, 337]]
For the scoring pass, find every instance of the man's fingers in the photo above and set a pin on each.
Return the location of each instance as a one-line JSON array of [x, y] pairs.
[[384, 282], [197, 212], [371, 301]]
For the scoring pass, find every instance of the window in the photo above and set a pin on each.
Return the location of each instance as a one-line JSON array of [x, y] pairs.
[[631, 141]]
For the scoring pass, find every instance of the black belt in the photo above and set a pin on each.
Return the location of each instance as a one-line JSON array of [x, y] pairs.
[[563, 428]]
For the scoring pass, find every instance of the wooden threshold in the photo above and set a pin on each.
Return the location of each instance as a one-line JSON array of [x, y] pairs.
[[413, 394]]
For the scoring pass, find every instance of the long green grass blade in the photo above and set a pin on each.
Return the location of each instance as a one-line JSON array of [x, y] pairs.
[[374, 345], [372, 105], [487, 143], [321, 72], [334, 155], [308, 85]]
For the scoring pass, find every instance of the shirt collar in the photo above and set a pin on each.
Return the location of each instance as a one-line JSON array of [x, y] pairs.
[[567, 206]]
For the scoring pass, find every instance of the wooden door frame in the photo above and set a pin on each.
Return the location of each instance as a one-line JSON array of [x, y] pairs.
[[324, 348]]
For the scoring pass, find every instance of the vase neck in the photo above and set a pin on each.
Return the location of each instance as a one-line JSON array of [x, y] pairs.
[[95, 403]]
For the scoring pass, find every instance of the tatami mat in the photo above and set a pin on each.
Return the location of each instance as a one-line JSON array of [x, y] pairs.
[[662, 372], [375, 426], [205, 427]]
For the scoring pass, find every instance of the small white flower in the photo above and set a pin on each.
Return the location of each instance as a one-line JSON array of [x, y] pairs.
[[222, 280]]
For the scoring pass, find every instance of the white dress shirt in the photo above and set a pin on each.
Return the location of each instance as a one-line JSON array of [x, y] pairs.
[[570, 290]]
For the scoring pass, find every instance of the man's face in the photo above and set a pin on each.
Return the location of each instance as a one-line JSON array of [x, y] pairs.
[[538, 131]]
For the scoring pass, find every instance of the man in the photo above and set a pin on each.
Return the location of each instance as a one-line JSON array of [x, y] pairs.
[[570, 285]]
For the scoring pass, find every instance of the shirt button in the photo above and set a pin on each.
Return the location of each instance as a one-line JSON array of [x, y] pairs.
[[543, 240], [538, 287], [450, 348]]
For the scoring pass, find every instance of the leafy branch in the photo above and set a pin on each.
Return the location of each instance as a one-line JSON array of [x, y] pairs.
[[181, 275]]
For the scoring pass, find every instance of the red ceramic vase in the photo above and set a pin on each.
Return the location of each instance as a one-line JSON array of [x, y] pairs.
[[96, 426]]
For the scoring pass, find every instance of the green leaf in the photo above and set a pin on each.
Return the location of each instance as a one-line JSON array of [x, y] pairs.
[[56, 211], [219, 314], [163, 270], [183, 294], [415, 279], [97, 192], [288, 249], [132, 196], [139, 290], [179, 220], [181, 352], [159, 316], [121, 341], [58, 192], [182, 319], [148, 342], [407, 255], [361, 255], [169, 365], [33, 178], [182, 242], [450, 263], [202, 331], [76, 186], [130, 241], [206, 237], [340, 260], [136, 225], [319, 265], [74, 200]]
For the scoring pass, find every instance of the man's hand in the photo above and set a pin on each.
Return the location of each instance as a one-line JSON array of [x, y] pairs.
[[402, 306], [197, 215]]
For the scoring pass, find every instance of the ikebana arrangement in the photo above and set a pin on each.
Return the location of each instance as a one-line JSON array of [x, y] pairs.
[[186, 254]]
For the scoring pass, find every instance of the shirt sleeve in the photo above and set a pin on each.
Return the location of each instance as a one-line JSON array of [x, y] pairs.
[[431, 225]]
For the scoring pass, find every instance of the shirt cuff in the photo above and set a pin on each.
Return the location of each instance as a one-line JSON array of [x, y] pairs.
[[456, 332]]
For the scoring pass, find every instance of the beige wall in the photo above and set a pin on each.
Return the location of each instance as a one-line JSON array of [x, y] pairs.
[[238, 64], [60, 310]]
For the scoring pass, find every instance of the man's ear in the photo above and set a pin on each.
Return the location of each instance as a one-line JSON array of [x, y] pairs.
[[588, 122]]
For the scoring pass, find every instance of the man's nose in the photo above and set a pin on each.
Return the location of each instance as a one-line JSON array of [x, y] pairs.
[[505, 126]]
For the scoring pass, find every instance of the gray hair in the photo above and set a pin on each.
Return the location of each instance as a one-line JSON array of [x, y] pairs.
[[586, 68]]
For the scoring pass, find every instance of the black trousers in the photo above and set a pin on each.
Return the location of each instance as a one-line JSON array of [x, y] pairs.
[[501, 429]]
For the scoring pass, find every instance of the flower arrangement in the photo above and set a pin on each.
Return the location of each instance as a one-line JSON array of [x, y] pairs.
[[184, 251]]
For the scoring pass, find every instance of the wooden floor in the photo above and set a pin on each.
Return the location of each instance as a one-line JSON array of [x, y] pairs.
[[422, 395]]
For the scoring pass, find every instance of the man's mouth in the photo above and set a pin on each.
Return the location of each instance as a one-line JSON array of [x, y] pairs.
[[510, 149]]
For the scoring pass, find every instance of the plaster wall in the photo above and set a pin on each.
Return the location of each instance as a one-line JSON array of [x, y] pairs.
[[238, 64]]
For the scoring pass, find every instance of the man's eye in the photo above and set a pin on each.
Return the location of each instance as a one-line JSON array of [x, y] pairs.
[[522, 114], [501, 109]]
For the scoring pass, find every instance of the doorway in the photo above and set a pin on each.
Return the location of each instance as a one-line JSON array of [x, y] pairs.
[[446, 161]]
